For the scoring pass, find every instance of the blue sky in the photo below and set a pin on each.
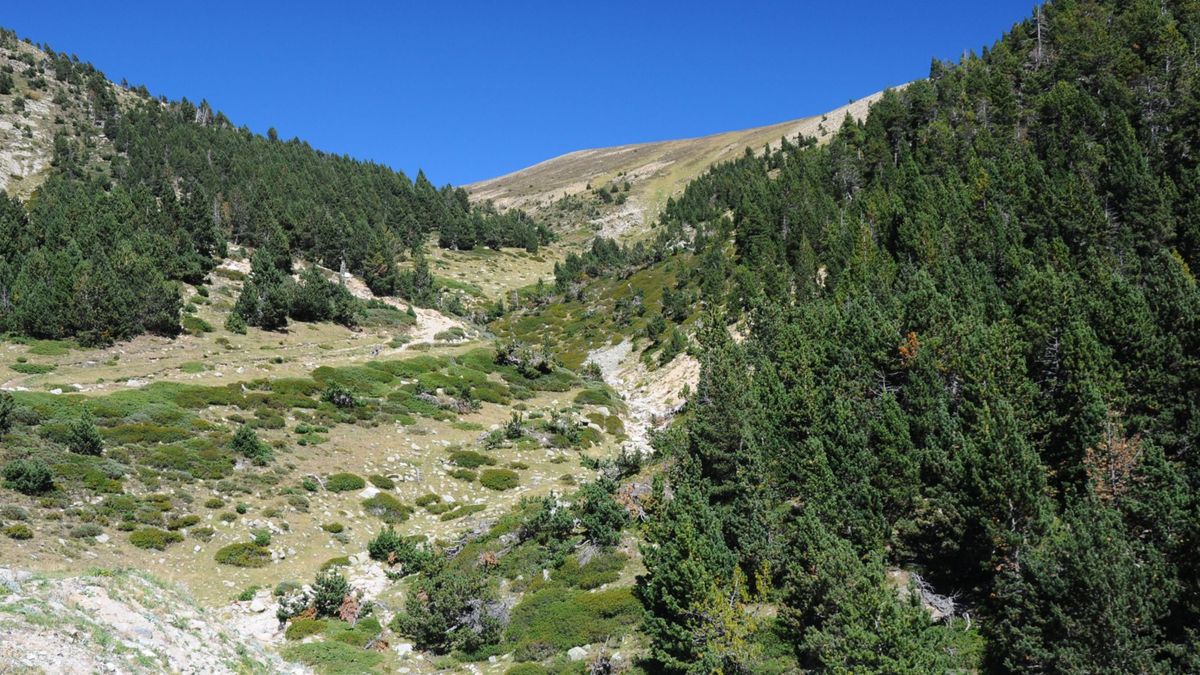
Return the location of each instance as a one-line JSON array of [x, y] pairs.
[[470, 90]]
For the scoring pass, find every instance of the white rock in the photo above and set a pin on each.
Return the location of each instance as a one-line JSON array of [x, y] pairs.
[[577, 653], [102, 538], [403, 648], [257, 606]]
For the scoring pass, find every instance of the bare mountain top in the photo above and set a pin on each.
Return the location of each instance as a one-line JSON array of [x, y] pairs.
[[654, 171]]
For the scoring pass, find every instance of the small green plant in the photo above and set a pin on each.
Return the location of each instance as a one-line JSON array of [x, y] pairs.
[[243, 554], [18, 531], [469, 459], [344, 482], [464, 474], [83, 438], [154, 538], [387, 508], [329, 589], [299, 629], [382, 482], [499, 479], [28, 476], [333, 528], [390, 547], [245, 443]]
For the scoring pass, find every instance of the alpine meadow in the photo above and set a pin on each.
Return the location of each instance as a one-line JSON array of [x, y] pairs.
[[907, 386]]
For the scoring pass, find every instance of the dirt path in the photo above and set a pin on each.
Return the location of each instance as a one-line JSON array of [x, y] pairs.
[[651, 397]]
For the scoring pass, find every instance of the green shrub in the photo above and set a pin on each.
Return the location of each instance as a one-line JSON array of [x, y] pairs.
[[18, 531], [32, 368], [600, 513], [28, 476], [333, 658], [195, 325], [13, 512], [382, 482], [603, 568], [202, 533], [336, 561], [427, 499], [461, 511], [469, 459], [153, 538], [344, 482], [499, 479], [333, 528], [245, 443], [85, 530], [387, 508], [464, 474], [527, 669], [329, 589], [8, 407], [299, 629], [183, 521], [243, 554], [557, 618], [389, 547]]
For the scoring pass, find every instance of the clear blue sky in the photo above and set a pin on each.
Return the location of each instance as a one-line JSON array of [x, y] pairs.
[[469, 90]]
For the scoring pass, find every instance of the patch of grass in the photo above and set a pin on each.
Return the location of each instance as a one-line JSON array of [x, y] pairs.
[[338, 561], [382, 482], [19, 531], [51, 347], [499, 479], [195, 325], [462, 511], [603, 568], [153, 538], [554, 619], [193, 367], [333, 528], [299, 629], [32, 368], [464, 475], [387, 508], [333, 658], [469, 459], [344, 482], [243, 554]]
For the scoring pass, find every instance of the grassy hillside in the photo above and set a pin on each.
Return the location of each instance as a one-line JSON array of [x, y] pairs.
[[654, 171]]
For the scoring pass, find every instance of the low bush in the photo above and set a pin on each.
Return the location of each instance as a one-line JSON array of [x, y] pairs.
[[333, 658], [469, 459], [85, 530], [18, 531], [243, 554], [183, 521], [557, 618], [28, 476], [333, 528], [344, 482], [499, 479], [464, 474], [387, 508], [461, 511], [154, 538], [245, 443], [32, 368], [299, 629], [390, 547], [382, 482], [329, 589], [427, 499]]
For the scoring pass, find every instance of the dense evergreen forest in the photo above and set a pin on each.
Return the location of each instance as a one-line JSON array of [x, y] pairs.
[[973, 353], [96, 251]]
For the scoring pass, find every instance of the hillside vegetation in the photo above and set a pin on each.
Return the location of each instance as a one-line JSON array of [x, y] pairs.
[[917, 394]]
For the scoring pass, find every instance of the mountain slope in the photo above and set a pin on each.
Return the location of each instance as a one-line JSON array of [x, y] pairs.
[[655, 171]]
